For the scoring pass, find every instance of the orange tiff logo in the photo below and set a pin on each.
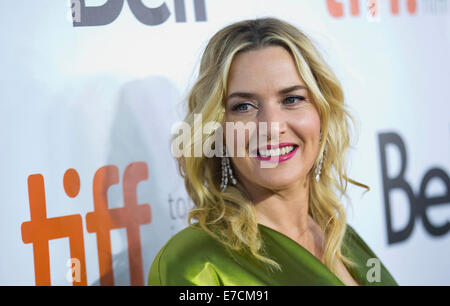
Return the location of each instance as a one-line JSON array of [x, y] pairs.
[[336, 8], [40, 229]]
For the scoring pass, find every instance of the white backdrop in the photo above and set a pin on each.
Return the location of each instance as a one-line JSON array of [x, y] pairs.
[[84, 96]]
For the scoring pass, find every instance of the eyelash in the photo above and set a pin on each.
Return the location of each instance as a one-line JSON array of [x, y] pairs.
[[235, 107]]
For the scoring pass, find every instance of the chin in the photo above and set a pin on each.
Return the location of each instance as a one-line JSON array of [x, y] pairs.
[[280, 181]]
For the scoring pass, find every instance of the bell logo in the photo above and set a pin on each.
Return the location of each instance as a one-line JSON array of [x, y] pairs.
[[90, 16], [419, 202]]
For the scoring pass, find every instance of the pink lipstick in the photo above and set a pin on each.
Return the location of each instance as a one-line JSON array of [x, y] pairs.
[[274, 153]]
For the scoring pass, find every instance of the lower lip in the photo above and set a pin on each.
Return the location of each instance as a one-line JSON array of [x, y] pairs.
[[278, 159]]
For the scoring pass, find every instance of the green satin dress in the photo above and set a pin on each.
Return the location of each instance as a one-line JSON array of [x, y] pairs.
[[193, 258]]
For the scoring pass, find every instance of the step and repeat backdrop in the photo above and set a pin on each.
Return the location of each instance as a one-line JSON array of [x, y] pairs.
[[90, 90]]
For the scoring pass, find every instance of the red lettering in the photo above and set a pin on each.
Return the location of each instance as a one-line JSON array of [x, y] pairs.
[[131, 216], [335, 8], [40, 230], [412, 6], [394, 7], [354, 7]]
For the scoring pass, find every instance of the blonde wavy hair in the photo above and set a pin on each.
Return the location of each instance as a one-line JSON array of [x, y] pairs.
[[230, 216]]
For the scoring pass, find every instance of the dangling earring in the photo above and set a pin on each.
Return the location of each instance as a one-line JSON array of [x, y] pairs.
[[319, 167], [226, 170]]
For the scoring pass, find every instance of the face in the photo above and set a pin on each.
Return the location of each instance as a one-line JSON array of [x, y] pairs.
[[264, 86]]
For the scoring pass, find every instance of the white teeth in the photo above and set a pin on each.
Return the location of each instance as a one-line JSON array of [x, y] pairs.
[[276, 152]]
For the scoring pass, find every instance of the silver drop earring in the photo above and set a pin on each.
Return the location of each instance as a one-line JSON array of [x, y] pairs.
[[226, 170], [319, 167]]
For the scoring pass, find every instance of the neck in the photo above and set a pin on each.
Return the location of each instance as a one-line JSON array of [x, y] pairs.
[[285, 209]]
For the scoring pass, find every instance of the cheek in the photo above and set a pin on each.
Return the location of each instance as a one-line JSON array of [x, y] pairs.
[[307, 126], [240, 164]]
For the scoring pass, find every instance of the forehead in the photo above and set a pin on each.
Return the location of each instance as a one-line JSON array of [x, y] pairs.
[[264, 69]]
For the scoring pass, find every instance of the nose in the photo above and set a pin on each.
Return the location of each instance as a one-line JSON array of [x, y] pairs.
[[271, 122]]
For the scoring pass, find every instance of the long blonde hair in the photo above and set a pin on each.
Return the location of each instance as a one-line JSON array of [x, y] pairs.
[[230, 216]]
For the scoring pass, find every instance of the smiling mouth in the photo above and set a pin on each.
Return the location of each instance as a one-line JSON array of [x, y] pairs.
[[277, 154]]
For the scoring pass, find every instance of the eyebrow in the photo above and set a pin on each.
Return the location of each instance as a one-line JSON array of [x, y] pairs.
[[248, 95]]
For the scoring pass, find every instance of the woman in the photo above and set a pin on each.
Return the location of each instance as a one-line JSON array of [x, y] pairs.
[[271, 215]]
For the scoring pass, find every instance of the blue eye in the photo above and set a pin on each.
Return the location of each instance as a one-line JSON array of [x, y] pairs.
[[293, 99], [241, 107]]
